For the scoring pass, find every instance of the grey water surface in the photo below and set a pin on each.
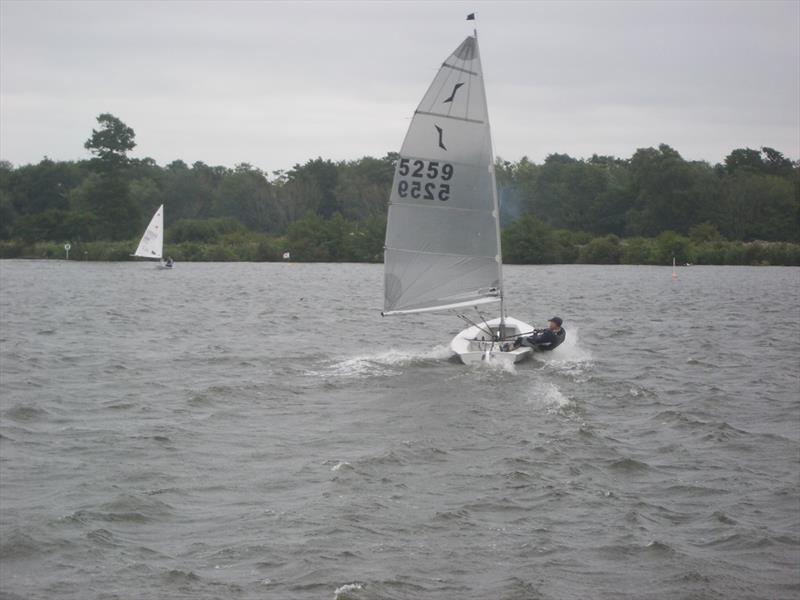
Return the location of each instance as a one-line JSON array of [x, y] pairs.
[[254, 431]]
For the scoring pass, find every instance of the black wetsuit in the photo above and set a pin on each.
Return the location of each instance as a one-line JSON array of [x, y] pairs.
[[545, 339]]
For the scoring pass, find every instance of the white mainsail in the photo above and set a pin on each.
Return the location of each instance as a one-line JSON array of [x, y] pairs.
[[152, 242], [442, 236]]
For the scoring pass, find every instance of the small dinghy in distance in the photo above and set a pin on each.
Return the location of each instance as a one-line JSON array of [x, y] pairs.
[[442, 250], [152, 243]]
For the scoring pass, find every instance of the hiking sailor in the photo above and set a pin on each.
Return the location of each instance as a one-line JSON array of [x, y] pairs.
[[544, 339]]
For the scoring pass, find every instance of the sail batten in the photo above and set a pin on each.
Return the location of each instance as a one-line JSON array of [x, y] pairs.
[[459, 69], [437, 259], [445, 116], [476, 302], [428, 253]]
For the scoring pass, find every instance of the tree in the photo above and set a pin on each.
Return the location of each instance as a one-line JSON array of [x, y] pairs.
[[324, 175], [248, 196], [671, 193], [109, 198], [763, 207], [7, 215], [670, 245], [601, 251], [744, 159], [111, 142], [363, 187], [528, 241], [44, 186], [775, 163]]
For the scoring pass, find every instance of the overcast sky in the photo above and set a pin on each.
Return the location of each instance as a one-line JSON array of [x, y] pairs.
[[277, 83]]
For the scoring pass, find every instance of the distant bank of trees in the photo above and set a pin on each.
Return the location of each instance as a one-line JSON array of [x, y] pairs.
[[608, 210]]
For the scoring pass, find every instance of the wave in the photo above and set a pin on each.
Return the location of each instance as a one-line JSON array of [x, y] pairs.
[[343, 592], [549, 397], [342, 465], [389, 362], [497, 365], [179, 577], [569, 356]]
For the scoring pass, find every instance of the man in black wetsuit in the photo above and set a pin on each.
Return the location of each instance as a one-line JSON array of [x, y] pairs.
[[544, 339]]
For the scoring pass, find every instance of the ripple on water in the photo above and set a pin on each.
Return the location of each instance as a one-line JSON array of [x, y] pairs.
[[126, 508], [19, 544], [26, 414], [629, 466]]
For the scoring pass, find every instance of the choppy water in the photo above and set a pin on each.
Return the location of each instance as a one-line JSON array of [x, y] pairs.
[[259, 431]]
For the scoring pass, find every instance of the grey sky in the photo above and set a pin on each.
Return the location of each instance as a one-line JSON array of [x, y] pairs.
[[276, 83]]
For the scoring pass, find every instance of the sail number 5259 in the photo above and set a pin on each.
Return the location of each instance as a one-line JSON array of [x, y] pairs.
[[431, 170]]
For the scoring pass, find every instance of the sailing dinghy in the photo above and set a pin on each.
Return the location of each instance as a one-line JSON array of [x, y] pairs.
[[152, 243], [442, 248]]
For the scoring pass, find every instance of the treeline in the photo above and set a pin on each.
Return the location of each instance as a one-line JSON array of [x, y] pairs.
[[645, 209], [751, 195]]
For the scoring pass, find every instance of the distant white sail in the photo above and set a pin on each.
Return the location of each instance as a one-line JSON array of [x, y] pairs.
[[442, 237], [152, 243]]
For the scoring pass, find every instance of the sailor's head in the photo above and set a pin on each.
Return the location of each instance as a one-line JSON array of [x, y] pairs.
[[554, 324]]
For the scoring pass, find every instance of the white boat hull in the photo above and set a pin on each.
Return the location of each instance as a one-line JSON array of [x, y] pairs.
[[475, 345]]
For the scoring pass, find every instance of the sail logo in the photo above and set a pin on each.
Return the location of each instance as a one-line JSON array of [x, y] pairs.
[[453, 94], [441, 143]]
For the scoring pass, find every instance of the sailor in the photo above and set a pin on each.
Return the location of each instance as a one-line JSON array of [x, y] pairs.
[[544, 339], [169, 261]]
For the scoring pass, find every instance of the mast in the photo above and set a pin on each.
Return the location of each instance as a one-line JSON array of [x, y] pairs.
[[495, 201]]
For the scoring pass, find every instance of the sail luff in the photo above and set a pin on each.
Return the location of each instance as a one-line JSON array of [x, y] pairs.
[[495, 199]]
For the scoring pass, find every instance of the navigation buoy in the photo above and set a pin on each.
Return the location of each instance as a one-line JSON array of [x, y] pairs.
[[67, 247]]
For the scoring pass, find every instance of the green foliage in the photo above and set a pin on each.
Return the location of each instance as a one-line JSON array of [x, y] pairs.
[[362, 187], [313, 239], [206, 231], [668, 245], [745, 210], [766, 161], [637, 251], [323, 176], [7, 215], [764, 207], [668, 191], [45, 186], [111, 142], [529, 241], [247, 196], [601, 251], [55, 224], [704, 232]]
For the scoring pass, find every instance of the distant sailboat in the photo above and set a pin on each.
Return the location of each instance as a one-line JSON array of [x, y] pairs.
[[152, 243], [674, 273], [442, 248]]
